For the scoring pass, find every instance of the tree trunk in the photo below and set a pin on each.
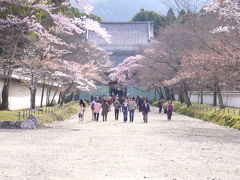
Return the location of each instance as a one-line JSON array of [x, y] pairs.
[[62, 99], [220, 99], [48, 93], [55, 93], [5, 94], [160, 93], [185, 95], [167, 93], [42, 96], [33, 97], [172, 94], [180, 95], [201, 97], [71, 96], [155, 94], [214, 98], [77, 96]]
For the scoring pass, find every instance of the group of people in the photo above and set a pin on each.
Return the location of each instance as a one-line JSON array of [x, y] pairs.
[[130, 105], [126, 105], [167, 107], [96, 107]]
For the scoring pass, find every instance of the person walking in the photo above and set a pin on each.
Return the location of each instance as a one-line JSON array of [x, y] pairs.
[[170, 108], [92, 108], [105, 109], [140, 103], [81, 112], [82, 106], [132, 106], [145, 111], [121, 100], [117, 107], [125, 110], [160, 105], [96, 109]]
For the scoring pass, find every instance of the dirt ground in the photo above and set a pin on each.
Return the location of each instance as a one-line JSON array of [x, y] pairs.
[[182, 149]]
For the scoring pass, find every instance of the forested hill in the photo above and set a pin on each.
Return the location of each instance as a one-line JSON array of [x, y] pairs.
[[124, 10]]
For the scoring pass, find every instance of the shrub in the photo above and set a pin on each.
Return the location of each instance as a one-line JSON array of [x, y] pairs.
[[59, 115], [217, 117]]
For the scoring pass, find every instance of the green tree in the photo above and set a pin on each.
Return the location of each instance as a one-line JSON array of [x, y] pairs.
[[143, 15], [170, 18], [182, 14]]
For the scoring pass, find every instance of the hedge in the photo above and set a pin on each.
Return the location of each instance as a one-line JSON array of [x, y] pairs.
[[218, 117], [59, 115]]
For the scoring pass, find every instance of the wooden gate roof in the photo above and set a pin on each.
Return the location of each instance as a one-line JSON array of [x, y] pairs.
[[124, 34]]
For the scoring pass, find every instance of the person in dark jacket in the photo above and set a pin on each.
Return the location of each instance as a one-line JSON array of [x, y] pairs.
[[83, 106], [105, 109], [82, 103], [160, 105], [140, 103], [145, 110], [117, 106], [121, 100], [125, 110]]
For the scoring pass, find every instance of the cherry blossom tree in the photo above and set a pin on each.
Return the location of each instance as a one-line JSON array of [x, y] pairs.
[[32, 29], [228, 10], [140, 72], [216, 36], [200, 51], [13, 34], [220, 52]]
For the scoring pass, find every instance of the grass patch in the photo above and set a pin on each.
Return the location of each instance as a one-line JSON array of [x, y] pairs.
[[9, 115], [58, 115]]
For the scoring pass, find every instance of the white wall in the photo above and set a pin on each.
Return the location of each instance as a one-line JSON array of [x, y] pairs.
[[19, 95], [231, 99]]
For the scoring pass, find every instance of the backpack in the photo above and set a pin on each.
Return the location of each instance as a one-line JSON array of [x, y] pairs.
[[170, 107], [165, 109], [92, 106]]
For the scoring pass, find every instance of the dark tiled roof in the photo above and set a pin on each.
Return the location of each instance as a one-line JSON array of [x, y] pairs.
[[124, 34]]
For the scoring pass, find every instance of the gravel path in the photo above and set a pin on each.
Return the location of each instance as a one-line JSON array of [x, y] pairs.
[[184, 148]]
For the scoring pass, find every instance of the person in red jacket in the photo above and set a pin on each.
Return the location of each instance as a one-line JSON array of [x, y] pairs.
[[170, 107]]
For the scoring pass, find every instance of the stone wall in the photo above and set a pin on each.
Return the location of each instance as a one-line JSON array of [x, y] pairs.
[[19, 95]]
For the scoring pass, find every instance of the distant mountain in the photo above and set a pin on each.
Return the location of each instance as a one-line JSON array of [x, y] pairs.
[[124, 10]]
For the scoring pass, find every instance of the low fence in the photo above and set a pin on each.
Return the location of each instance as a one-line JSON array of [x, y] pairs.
[[20, 115], [227, 110]]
